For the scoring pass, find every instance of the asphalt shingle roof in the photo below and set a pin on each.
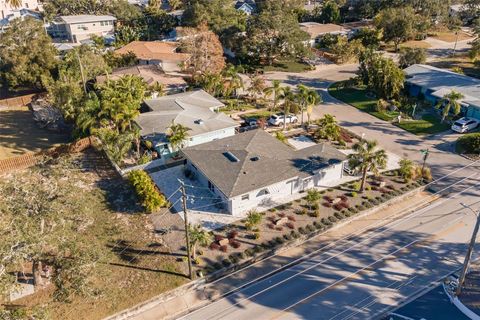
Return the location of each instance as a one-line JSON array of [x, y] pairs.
[[185, 108], [262, 161]]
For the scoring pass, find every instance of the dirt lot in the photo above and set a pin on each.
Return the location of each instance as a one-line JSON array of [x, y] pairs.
[[19, 134], [134, 265]]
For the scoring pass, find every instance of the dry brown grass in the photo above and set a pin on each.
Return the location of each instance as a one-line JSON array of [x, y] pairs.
[[19, 134], [449, 36]]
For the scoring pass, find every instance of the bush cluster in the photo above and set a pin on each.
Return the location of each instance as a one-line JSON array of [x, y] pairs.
[[146, 191]]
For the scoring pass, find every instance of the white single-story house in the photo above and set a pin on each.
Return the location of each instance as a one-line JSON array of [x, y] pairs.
[[433, 83], [317, 31], [254, 170], [196, 110], [161, 53]]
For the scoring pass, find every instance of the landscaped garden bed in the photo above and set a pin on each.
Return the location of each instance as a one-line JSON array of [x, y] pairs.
[[318, 211]]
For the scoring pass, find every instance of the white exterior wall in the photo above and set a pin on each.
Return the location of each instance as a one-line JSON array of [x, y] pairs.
[[167, 66], [82, 31], [6, 8], [210, 136], [279, 193]]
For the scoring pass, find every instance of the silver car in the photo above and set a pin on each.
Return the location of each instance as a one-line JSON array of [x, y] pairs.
[[464, 125]]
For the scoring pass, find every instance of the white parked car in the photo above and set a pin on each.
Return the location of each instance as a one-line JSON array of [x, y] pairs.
[[464, 125], [279, 119]]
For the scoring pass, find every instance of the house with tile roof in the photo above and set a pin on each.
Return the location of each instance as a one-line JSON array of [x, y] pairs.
[[433, 83], [254, 170], [162, 53], [196, 110], [317, 31]]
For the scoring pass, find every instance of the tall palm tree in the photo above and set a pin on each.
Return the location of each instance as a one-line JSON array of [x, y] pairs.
[[367, 158], [276, 90], [289, 104], [450, 101], [234, 80], [177, 135], [198, 236], [307, 98]]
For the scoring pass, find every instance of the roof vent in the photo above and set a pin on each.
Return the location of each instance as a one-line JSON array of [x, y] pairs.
[[230, 156], [254, 158], [199, 121]]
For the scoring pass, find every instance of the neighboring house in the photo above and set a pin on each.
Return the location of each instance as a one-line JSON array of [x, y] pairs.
[[455, 9], [196, 110], [163, 54], [7, 9], [317, 31], [254, 170], [152, 74], [354, 27], [19, 14], [433, 83], [80, 28], [247, 6]]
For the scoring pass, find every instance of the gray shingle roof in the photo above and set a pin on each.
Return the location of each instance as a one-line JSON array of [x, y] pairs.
[[262, 161], [443, 81], [184, 108]]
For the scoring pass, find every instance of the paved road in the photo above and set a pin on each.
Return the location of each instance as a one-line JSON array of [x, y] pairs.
[[366, 275]]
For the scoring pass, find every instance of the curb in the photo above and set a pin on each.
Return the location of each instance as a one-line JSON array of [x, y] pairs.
[[209, 298]]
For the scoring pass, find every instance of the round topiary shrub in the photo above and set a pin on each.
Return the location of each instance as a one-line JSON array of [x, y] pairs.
[[310, 228], [294, 234], [302, 230], [227, 263], [332, 219]]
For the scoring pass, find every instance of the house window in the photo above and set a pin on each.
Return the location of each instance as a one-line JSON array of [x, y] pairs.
[[245, 197], [211, 186], [263, 192]]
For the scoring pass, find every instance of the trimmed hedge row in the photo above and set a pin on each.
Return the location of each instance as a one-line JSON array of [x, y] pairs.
[[146, 191]]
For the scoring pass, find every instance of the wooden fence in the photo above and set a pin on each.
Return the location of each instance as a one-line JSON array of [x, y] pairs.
[[30, 159], [17, 101]]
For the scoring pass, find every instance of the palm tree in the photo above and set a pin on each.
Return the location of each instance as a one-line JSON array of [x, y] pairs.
[[450, 101], [407, 169], [307, 98], [257, 85], [328, 128], [235, 82], [198, 236], [253, 218], [367, 158], [276, 90], [177, 135], [313, 196], [289, 104]]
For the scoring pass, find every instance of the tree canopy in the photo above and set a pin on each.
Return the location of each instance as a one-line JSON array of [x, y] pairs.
[[27, 56]]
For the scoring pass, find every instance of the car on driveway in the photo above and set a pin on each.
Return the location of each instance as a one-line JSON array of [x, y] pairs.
[[279, 119], [465, 125]]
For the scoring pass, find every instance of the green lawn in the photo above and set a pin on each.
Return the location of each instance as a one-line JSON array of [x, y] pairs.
[[429, 124], [259, 114], [287, 66], [357, 97]]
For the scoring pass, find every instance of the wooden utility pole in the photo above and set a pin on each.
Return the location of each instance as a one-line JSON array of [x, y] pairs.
[[187, 236], [468, 256]]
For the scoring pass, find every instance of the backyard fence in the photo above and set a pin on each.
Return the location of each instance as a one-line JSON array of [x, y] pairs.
[[30, 159], [17, 101]]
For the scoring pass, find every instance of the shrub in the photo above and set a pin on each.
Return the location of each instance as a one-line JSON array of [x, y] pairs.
[[287, 237], [256, 235], [290, 225], [318, 225], [272, 210], [279, 240], [295, 234], [328, 198], [345, 205], [234, 243], [223, 248], [217, 266], [233, 258], [233, 234], [271, 226], [219, 237], [214, 246], [315, 213], [469, 143], [279, 228], [353, 194], [315, 206], [332, 219], [258, 249], [327, 204], [226, 262], [146, 191], [249, 252], [338, 206], [292, 218], [281, 215], [302, 230], [391, 187], [343, 198], [253, 219], [330, 189], [339, 215], [310, 228]]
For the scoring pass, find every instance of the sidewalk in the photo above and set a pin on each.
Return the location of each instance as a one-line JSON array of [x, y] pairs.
[[204, 294]]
